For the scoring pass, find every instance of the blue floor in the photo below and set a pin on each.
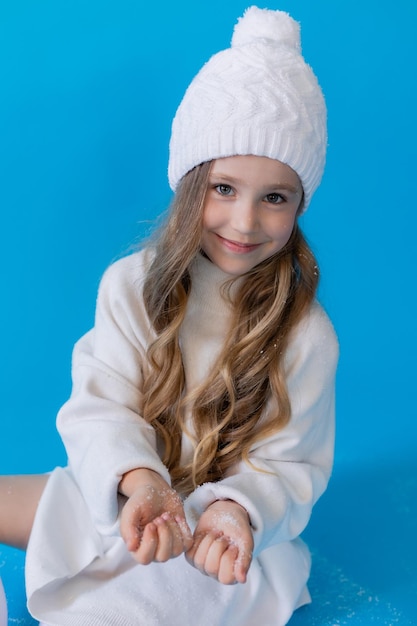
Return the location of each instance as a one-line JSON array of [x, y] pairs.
[[363, 536]]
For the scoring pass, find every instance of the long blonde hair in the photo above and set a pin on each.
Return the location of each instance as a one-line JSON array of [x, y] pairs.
[[227, 409]]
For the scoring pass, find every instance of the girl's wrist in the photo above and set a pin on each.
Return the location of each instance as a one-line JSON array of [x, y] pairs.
[[134, 479], [227, 501]]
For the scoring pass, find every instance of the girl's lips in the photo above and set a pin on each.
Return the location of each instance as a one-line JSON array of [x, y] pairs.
[[236, 246]]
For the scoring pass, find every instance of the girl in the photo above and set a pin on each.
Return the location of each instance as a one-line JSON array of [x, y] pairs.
[[200, 427]]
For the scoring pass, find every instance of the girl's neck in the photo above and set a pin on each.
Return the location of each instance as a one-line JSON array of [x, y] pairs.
[[209, 288]]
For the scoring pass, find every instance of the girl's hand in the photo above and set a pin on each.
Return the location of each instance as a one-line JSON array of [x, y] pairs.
[[223, 543], [152, 521]]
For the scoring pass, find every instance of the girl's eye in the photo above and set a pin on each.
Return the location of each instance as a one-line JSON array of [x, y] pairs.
[[274, 198], [224, 190]]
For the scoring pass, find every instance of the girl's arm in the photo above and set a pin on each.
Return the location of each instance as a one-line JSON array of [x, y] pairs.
[[289, 470], [101, 426]]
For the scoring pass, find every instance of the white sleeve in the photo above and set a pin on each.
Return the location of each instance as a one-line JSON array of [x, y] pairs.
[[294, 465], [100, 425]]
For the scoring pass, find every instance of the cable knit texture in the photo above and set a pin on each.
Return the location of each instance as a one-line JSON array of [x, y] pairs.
[[258, 97]]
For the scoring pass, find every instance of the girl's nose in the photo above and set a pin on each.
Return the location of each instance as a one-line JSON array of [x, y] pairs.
[[245, 217]]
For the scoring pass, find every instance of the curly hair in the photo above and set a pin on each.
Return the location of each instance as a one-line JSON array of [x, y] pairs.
[[228, 408]]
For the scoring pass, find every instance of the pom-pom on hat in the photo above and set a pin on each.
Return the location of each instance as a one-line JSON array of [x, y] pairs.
[[258, 97]]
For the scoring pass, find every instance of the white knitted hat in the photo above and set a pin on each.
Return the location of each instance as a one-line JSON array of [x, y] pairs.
[[258, 97]]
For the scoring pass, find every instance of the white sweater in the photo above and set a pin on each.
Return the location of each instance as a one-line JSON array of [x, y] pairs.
[[78, 570]]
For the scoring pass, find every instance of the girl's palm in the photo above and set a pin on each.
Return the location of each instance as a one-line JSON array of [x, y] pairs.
[[153, 523], [223, 543]]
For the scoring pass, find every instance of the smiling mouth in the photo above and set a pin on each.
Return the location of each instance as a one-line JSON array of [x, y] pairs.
[[237, 246]]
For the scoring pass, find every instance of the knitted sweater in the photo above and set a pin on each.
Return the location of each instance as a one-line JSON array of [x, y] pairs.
[[78, 569]]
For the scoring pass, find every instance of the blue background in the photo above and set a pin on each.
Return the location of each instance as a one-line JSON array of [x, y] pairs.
[[87, 94]]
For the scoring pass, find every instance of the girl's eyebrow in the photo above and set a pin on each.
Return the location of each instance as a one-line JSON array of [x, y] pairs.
[[214, 176]]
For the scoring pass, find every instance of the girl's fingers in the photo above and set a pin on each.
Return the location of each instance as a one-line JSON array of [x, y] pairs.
[[174, 537], [146, 551], [198, 554], [220, 560], [216, 556], [186, 534], [242, 564], [165, 539], [132, 538], [227, 573]]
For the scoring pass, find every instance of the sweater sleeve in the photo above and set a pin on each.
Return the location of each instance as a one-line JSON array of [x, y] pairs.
[[101, 425], [290, 470]]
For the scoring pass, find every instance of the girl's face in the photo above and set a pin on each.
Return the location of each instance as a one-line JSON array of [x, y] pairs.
[[249, 211]]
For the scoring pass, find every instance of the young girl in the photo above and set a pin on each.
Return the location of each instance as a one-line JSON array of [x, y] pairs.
[[200, 427]]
